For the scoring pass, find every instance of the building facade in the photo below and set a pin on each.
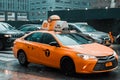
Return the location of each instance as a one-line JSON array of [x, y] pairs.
[[39, 8], [105, 4], [14, 9]]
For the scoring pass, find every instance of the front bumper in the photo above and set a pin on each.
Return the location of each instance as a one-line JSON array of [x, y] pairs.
[[106, 63], [103, 64]]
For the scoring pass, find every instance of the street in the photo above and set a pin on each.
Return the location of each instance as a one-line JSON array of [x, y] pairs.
[[11, 70]]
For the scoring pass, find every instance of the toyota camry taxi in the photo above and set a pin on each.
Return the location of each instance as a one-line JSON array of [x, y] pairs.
[[62, 49]]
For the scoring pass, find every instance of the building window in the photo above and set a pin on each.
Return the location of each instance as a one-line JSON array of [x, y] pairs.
[[77, 3], [1, 13], [0, 5], [38, 13], [57, 0], [68, 1], [85, 3], [10, 14], [38, 8], [44, 8], [32, 3], [37, 2], [32, 14], [44, 1], [59, 7], [32, 9]]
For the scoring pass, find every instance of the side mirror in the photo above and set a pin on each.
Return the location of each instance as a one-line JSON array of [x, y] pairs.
[[54, 43]]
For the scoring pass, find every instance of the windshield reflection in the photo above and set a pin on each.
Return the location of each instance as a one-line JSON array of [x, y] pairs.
[[5, 26], [72, 39]]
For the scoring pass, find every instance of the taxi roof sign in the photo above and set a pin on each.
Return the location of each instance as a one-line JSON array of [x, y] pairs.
[[61, 25]]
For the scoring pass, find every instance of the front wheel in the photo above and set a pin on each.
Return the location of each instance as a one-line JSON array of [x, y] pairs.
[[22, 58], [67, 66]]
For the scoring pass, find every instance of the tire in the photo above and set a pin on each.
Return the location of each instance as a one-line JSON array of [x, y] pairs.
[[67, 66], [1, 45], [22, 59]]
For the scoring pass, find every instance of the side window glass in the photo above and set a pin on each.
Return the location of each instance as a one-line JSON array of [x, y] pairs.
[[71, 27], [24, 29], [35, 37], [76, 29], [47, 38]]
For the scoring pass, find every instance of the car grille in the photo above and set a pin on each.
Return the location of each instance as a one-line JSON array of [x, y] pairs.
[[100, 65]]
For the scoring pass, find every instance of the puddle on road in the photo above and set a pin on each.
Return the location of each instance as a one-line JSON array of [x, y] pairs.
[[11, 75]]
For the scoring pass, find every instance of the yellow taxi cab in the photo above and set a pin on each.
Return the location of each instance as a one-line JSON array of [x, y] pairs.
[[62, 49]]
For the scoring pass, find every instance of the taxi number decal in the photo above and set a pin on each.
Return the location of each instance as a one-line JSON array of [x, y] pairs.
[[108, 64], [47, 53]]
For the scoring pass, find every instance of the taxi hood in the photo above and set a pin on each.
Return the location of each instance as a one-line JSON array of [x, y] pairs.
[[94, 49]]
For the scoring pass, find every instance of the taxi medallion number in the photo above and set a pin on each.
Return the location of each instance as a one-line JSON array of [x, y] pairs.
[[108, 64]]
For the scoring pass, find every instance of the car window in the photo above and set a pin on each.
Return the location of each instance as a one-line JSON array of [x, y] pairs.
[[33, 29], [2, 28], [86, 28], [35, 37], [25, 29], [5, 26], [47, 38], [71, 27]]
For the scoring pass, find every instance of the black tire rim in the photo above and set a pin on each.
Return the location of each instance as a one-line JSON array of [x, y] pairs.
[[22, 58]]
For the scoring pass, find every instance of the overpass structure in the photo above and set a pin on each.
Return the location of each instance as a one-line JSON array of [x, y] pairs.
[[102, 19], [87, 14]]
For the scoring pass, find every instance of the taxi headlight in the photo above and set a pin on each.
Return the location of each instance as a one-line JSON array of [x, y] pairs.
[[7, 35], [86, 56]]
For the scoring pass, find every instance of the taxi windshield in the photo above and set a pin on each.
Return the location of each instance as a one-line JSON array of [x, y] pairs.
[[72, 39]]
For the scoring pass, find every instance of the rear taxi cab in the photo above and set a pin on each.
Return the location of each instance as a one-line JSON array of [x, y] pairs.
[[62, 49]]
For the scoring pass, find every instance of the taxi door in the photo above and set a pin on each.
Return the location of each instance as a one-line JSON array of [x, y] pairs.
[[32, 46], [48, 52]]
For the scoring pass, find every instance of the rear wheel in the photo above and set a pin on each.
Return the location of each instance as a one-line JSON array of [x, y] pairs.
[[22, 58], [67, 66]]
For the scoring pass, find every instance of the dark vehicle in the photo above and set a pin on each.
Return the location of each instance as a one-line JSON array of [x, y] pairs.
[[100, 37], [8, 34], [29, 28]]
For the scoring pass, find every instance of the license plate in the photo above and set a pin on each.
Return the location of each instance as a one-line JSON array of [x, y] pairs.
[[108, 64]]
